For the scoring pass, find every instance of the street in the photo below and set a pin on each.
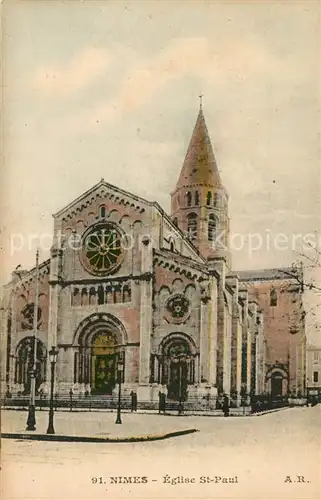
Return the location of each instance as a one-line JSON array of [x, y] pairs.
[[271, 456]]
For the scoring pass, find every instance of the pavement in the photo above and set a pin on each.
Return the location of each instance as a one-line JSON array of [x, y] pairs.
[[271, 457], [94, 426]]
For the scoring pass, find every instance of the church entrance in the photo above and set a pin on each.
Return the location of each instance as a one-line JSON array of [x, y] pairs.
[[104, 363], [276, 385], [100, 350], [178, 366], [177, 386]]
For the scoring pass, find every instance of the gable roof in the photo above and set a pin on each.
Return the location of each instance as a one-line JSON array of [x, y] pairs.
[[101, 183]]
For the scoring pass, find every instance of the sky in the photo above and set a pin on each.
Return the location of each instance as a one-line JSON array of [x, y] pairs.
[[109, 89]]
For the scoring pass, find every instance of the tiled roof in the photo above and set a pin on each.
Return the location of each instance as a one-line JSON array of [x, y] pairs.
[[199, 166], [267, 274]]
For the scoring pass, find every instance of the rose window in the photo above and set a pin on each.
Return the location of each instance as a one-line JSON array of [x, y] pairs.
[[178, 307], [102, 251]]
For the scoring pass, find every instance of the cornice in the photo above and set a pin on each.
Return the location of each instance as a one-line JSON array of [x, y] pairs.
[[102, 281], [180, 264]]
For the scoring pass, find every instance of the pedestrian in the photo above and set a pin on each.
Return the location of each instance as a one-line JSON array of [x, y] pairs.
[[226, 408], [163, 402], [160, 401], [133, 401]]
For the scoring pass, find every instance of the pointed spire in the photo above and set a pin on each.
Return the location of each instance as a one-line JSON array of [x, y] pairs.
[[199, 166]]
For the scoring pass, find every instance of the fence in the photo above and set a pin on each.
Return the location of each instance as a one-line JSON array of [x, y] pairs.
[[211, 405], [264, 403]]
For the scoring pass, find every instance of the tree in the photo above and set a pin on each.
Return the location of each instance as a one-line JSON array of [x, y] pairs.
[[307, 273]]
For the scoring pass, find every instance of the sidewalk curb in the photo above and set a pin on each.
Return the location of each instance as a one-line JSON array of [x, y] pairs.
[[93, 439]]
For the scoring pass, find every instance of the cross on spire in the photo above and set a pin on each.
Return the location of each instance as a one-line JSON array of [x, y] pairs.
[[201, 101]]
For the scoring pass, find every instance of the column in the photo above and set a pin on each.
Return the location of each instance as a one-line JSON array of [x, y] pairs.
[[239, 359], [145, 319], [197, 370], [4, 311], [12, 361], [54, 291], [212, 329], [227, 352], [203, 362], [248, 361], [257, 364]]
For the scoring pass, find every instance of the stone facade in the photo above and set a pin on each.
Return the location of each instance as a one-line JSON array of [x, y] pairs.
[[279, 296], [313, 372], [128, 284]]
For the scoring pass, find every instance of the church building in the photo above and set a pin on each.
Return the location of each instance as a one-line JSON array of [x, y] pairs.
[[127, 283]]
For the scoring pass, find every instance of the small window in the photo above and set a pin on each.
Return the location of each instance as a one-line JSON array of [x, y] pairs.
[[211, 231], [316, 357], [315, 376], [273, 298], [197, 198], [102, 211], [192, 226], [208, 198], [188, 198], [172, 247], [175, 221]]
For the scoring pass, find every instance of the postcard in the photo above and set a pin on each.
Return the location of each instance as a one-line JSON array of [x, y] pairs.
[[161, 250]]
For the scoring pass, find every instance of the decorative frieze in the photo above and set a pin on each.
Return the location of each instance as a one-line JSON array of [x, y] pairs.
[[111, 292]]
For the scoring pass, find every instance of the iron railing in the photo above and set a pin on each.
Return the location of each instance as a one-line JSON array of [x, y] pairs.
[[208, 404]]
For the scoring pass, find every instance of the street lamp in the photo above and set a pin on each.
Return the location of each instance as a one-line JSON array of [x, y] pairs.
[[31, 421], [53, 353], [120, 370]]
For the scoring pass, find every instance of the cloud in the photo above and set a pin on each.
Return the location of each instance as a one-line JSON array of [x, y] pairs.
[[239, 60], [80, 72]]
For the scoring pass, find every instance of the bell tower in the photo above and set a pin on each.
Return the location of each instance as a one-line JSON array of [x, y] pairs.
[[199, 202]]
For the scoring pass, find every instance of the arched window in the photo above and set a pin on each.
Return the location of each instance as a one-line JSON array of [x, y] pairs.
[[76, 297], [211, 229], [102, 211], [197, 198], [101, 295], [92, 296], [273, 298], [172, 246], [208, 198], [117, 294], [192, 226], [25, 362], [188, 198], [84, 297], [126, 294], [175, 221], [215, 199]]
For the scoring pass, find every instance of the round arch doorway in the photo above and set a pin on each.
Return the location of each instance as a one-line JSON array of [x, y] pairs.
[[178, 355], [276, 385], [277, 382], [101, 339]]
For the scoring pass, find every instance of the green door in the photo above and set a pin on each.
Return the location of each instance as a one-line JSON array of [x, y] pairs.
[[104, 375]]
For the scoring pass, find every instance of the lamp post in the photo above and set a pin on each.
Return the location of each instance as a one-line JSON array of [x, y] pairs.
[[53, 353], [120, 369], [31, 421]]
